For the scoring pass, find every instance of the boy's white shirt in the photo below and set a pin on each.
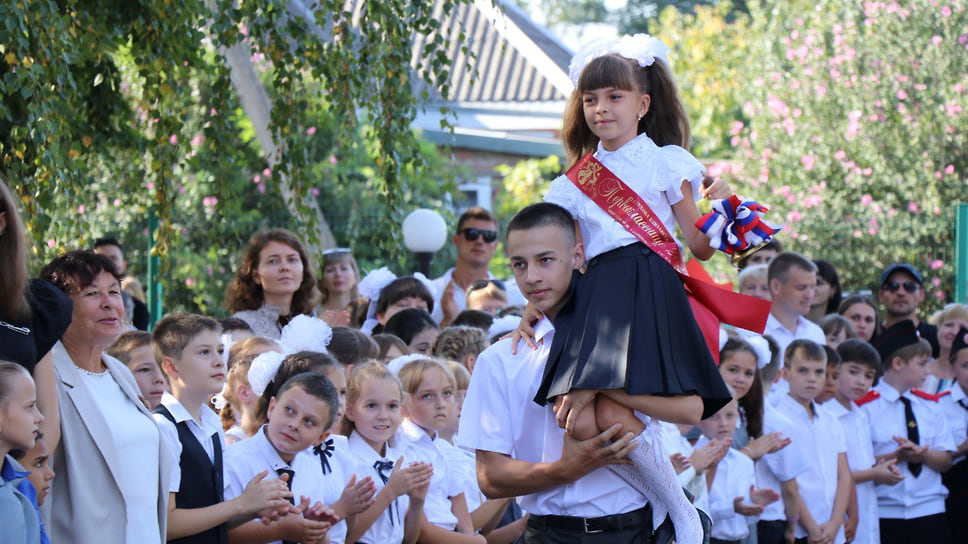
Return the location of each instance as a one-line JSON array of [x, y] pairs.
[[211, 425], [912, 497], [464, 465], [244, 460], [822, 438], [955, 406], [780, 466], [382, 531], [500, 416], [860, 456], [445, 484], [734, 476]]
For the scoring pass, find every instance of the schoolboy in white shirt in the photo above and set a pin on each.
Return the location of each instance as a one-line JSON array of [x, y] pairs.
[[779, 470], [521, 450], [299, 417], [855, 374], [909, 425], [954, 402], [824, 488], [732, 497], [186, 348]]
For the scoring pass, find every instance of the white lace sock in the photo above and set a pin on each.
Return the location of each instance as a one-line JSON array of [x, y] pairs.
[[653, 475]]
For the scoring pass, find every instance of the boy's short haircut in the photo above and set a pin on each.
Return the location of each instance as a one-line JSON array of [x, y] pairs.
[[769, 373], [544, 214], [317, 386], [175, 331], [387, 341], [857, 351], [804, 349], [352, 346], [126, 343], [108, 241], [457, 343], [488, 289], [773, 245], [234, 324], [513, 309], [779, 267], [473, 318], [755, 272], [478, 213], [833, 358]]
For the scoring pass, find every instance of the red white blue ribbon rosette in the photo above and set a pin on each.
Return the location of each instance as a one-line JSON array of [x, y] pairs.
[[734, 225]]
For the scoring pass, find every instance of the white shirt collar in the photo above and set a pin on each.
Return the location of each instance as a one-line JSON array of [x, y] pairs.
[[542, 329], [268, 451]]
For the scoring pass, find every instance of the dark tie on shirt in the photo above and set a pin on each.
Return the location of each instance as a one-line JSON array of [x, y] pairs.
[[383, 469], [912, 432], [324, 451], [291, 473], [963, 404]]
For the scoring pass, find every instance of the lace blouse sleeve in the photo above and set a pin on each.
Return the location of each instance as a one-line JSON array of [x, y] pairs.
[[679, 165], [563, 193]]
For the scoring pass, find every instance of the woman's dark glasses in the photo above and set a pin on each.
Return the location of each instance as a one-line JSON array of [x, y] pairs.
[[471, 235]]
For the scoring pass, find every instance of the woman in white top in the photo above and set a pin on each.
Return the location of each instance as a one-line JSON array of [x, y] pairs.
[[112, 464]]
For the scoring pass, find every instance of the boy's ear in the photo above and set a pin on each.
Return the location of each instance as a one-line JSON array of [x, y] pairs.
[[578, 254], [168, 367], [272, 406], [897, 363]]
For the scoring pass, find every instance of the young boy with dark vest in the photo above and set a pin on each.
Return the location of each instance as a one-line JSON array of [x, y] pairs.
[[186, 347], [908, 425]]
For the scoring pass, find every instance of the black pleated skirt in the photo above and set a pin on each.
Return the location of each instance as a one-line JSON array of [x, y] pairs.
[[628, 325]]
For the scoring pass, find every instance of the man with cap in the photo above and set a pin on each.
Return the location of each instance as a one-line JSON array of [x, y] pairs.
[[910, 426], [901, 291], [954, 402]]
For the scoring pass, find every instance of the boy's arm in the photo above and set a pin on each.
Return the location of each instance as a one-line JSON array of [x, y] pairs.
[[500, 476], [433, 534], [842, 495], [790, 493], [458, 507], [938, 460], [853, 514], [486, 517], [413, 522], [365, 519]]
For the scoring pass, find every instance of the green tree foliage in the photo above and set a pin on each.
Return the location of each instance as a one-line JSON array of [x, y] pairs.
[[111, 110]]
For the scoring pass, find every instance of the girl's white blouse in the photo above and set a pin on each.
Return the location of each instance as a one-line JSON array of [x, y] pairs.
[[654, 173]]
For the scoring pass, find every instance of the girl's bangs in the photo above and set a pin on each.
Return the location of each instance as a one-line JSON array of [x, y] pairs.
[[609, 71]]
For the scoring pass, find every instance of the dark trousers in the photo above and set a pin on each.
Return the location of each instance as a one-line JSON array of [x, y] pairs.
[[539, 534], [720, 541], [932, 529], [770, 532]]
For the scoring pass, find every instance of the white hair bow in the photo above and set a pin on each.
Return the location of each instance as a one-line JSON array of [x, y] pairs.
[[641, 48]]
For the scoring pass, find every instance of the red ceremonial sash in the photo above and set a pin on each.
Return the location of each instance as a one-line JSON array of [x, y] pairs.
[[710, 304]]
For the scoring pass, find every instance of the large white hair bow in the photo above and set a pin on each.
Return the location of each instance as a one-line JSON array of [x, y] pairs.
[[306, 333], [762, 349], [641, 48], [263, 369]]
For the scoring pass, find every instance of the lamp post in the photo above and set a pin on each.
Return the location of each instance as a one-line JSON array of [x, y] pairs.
[[424, 233]]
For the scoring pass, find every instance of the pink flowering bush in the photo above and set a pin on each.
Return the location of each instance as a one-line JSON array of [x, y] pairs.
[[854, 131]]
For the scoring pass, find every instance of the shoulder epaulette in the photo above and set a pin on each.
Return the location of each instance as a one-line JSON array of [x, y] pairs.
[[926, 396], [871, 395]]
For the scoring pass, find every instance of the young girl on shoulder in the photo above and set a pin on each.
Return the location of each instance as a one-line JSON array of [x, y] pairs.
[[19, 425], [628, 339], [374, 404]]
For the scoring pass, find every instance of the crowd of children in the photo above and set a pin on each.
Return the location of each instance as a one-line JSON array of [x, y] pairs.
[[331, 411]]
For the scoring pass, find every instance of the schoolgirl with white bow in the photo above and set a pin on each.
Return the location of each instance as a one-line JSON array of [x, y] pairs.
[[374, 404]]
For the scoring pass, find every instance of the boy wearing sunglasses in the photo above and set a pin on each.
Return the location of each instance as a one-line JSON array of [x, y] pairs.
[[901, 292], [476, 243]]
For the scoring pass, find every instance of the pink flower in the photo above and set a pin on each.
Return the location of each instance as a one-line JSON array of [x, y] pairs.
[[198, 140], [173, 139], [189, 282], [902, 95], [936, 40], [257, 179], [333, 159], [150, 185], [946, 11], [950, 169], [267, 173], [117, 201], [314, 191], [939, 294], [51, 243], [311, 130], [794, 216], [80, 209], [262, 189], [936, 281], [840, 155], [936, 264], [866, 200], [913, 207], [808, 161]]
